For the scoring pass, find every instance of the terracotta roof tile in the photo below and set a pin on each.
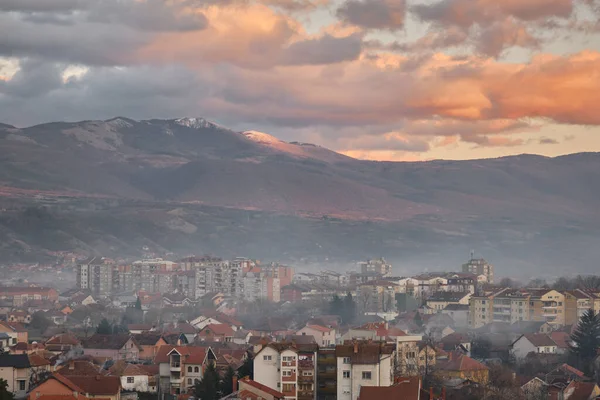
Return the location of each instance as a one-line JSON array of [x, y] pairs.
[[406, 389], [262, 387]]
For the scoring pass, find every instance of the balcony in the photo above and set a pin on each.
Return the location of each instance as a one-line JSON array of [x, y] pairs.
[[327, 361], [288, 363], [176, 380], [291, 378], [175, 366], [289, 393], [306, 379], [306, 364]]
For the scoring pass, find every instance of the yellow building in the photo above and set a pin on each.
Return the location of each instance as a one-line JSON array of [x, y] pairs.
[[553, 308], [461, 366]]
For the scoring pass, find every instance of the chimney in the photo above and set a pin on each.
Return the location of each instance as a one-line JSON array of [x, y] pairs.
[[355, 348], [443, 392], [449, 356], [71, 365], [431, 393], [75, 394], [37, 394], [235, 383]]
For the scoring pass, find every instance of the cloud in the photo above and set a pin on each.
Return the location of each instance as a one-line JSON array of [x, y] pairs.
[[391, 141], [546, 140], [497, 37], [324, 50], [40, 6], [373, 14], [296, 5]]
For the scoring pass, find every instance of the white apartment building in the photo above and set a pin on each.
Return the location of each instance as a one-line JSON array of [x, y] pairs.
[[324, 335], [363, 364], [288, 368], [96, 275], [407, 354]]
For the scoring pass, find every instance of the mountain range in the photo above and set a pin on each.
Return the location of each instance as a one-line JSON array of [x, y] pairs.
[[188, 185]]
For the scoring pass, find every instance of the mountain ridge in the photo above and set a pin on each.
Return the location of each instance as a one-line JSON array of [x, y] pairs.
[[143, 170]]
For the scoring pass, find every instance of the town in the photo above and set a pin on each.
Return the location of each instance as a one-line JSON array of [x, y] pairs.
[[202, 327]]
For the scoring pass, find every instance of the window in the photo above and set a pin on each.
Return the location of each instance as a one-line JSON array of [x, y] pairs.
[[21, 385], [346, 360], [196, 369], [189, 381], [130, 379], [346, 374], [366, 375], [189, 369], [267, 358]]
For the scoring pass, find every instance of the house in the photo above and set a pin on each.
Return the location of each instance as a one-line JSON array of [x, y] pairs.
[[562, 340], [26, 348], [135, 377], [216, 318], [460, 366], [15, 330], [21, 295], [533, 343], [15, 369], [40, 367], [534, 388], [181, 366], [523, 327], [292, 293], [407, 354], [57, 317], [91, 387], [216, 333], [78, 368], [5, 342], [20, 316], [289, 366], [251, 390], [116, 347], [440, 300], [459, 313], [363, 364], [457, 342], [149, 343], [403, 388], [563, 375], [139, 328], [581, 391], [183, 328], [61, 343], [323, 335]]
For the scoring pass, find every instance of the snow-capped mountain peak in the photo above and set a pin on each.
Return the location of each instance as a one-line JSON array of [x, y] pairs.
[[195, 123], [261, 137]]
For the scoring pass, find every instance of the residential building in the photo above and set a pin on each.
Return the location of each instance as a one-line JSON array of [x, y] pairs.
[[460, 366], [19, 296], [289, 367], [533, 343], [479, 266], [17, 332], [61, 343], [462, 282], [20, 316], [148, 343], [440, 300], [292, 293], [377, 296], [79, 386], [459, 314], [577, 302], [136, 377], [363, 364], [181, 366], [251, 390], [98, 275], [216, 333], [327, 374], [116, 347], [323, 335], [378, 267], [15, 369], [553, 308]]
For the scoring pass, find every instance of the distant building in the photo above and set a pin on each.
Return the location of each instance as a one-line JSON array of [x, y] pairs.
[[378, 267], [98, 275], [479, 266]]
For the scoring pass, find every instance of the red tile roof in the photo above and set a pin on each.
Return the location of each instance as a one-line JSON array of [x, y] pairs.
[[561, 339], [460, 362], [540, 340], [78, 368], [217, 329], [63, 338], [406, 389], [93, 385], [37, 361], [320, 328], [190, 354], [262, 387]]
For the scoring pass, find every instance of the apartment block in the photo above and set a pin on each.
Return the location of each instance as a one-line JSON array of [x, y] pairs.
[[96, 274], [479, 266], [326, 374], [363, 364], [290, 368]]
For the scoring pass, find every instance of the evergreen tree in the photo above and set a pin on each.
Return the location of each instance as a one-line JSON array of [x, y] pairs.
[[208, 387], [4, 393], [104, 327], [336, 305], [138, 304], [247, 369], [586, 341], [227, 382]]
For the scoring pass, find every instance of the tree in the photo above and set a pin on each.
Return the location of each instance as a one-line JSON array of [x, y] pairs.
[[336, 305], [4, 392], [480, 348], [208, 387], [104, 327], [247, 369], [226, 386], [563, 284], [138, 303], [508, 283], [418, 320], [349, 309], [39, 321], [586, 341]]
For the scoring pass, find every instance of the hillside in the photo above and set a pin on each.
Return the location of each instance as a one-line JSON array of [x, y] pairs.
[[189, 185]]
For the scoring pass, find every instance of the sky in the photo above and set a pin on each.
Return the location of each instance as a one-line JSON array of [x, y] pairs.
[[401, 80]]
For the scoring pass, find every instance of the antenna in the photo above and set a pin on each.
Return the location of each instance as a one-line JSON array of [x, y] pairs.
[[472, 254]]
